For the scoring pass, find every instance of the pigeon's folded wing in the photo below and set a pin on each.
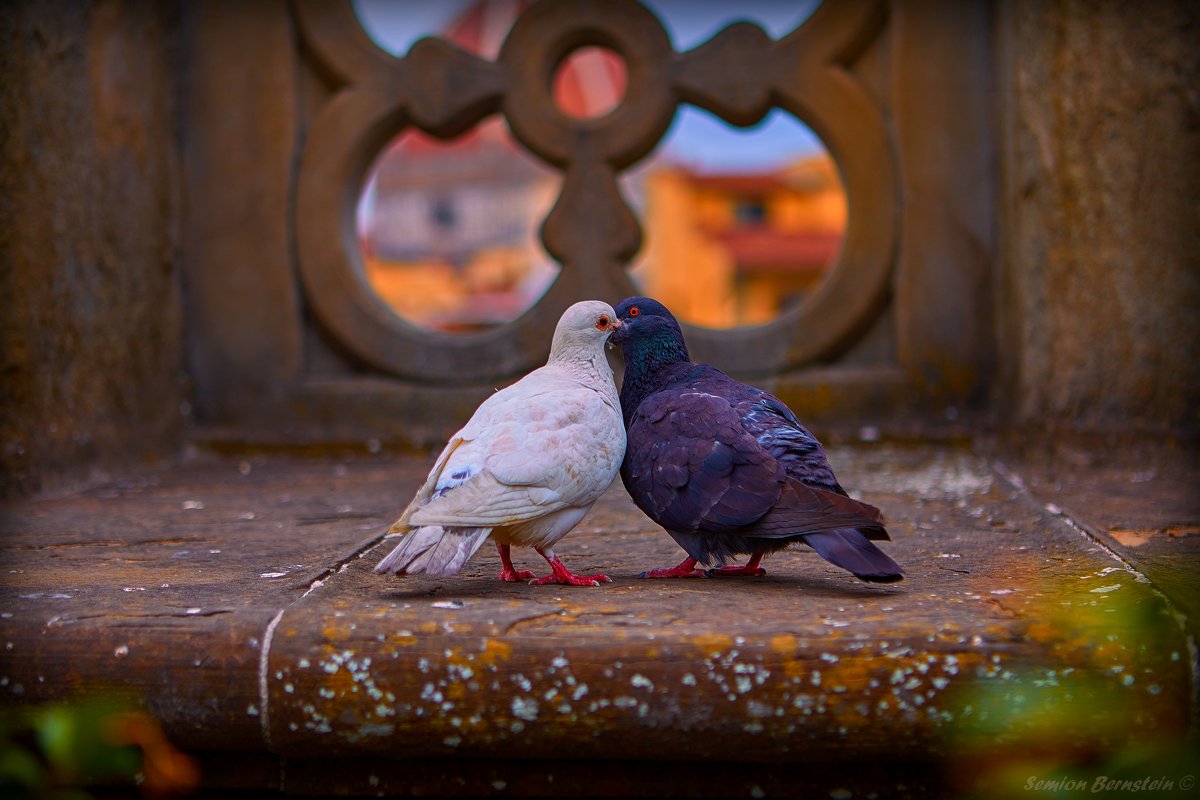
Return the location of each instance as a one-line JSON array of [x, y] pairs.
[[429, 486], [776, 428], [549, 452], [574, 446], [484, 501], [807, 509], [695, 466]]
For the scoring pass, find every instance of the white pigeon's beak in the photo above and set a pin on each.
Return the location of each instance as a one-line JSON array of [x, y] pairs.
[[613, 328]]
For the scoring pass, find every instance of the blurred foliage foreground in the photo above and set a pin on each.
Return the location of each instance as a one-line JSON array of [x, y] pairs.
[[1094, 718], [52, 752]]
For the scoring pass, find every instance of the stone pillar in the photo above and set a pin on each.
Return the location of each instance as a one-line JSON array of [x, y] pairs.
[[1100, 300], [90, 311]]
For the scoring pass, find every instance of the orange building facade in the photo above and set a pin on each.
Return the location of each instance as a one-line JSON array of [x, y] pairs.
[[728, 250]]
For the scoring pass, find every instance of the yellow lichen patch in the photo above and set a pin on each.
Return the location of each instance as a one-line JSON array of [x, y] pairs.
[[784, 644], [1042, 632], [712, 643], [494, 650], [333, 629], [849, 674]]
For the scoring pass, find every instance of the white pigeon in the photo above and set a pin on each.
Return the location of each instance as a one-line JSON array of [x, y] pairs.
[[527, 466]]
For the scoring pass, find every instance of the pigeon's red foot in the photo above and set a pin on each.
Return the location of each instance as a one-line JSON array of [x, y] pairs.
[[513, 575], [564, 576], [751, 567], [508, 572], [684, 569], [571, 579]]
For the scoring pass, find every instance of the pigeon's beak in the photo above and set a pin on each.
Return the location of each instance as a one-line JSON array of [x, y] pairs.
[[613, 333]]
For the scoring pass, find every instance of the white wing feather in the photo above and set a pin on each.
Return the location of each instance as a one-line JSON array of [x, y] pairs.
[[544, 444]]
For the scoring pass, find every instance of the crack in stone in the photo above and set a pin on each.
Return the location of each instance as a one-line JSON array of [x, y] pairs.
[[70, 619], [100, 543]]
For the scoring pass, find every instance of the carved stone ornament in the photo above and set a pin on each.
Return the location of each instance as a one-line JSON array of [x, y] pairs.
[[739, 75]]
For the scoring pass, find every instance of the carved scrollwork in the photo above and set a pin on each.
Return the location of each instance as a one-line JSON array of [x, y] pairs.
[[739, 75], [806, 73]]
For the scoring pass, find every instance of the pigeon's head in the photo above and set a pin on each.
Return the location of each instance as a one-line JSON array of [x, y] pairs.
[[584, 327], [636, 307], [647, 326]]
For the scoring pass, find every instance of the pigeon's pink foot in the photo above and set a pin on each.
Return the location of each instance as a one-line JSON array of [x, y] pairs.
[[684, 569], [751, 567], [564, 576], [507, 571], [515, 575]]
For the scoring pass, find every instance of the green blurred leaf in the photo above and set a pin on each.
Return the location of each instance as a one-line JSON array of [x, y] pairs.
[[75, 740], [55, 727], [18, 767]]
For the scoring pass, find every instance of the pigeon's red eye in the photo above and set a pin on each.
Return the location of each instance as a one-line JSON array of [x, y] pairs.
[[602, 322], [633, 312]]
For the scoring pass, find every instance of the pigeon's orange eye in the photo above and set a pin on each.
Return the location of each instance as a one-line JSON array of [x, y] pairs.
[[602, 322], [633, 312]]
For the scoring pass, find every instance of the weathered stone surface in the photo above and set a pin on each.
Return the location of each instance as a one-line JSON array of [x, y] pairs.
[[1102, 229], [91, 327], [1142, 503], [236, 598], [161, 589]]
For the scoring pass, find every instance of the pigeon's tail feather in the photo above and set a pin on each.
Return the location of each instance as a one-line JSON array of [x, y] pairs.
[[850, 550], [435, 550]]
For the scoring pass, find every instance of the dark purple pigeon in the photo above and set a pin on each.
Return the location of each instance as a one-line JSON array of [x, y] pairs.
[[726, 468]]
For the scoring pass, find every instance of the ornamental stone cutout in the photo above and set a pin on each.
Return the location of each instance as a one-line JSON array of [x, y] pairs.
[[739, 75]]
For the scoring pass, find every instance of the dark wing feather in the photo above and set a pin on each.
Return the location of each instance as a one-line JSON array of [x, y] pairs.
[[806, 509], [776, 428], [690, 465], [850, 550]]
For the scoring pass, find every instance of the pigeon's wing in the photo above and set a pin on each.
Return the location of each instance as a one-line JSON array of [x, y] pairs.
[[433, 483], [546, 449], [692, 465], [804, 509], [776, 428], [695, 466]]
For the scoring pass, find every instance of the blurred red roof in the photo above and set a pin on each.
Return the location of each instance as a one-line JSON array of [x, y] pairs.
[[766, 250]]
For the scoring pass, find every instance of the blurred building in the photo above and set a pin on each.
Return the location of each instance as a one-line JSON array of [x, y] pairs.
[[449, 230], [733, 249], [445, 229]]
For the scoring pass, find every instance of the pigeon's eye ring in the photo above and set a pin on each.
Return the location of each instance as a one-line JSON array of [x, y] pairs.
[[602, 322], [633, 312]]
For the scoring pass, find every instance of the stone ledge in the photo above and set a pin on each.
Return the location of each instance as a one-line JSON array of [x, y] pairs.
[[236, 600]]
